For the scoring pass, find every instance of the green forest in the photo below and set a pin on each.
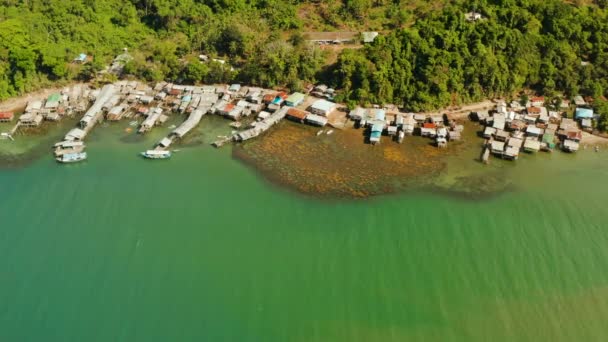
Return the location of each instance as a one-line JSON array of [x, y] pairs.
[[427, 55]]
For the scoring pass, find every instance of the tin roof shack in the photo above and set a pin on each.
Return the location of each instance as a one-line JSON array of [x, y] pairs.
[[399, 120], [538, 101], [501, 108], [531, 144], [358, 114], [376, 133], [497, 148], [379, 115], [273, 107], [548, 141], [409, 124], [262, 116], [533, 111], [297, 115], [480, 116], [369, 37], [579, 101], [392, 130], [567, 124], [30, 119], [151, 120], [115, 113], [488, 132], [268, 98], [420, 118], [316, 120], [517, 125], [499, 121], [33, 106], [322, 107], [533, 131], [441, 139], [295, 99], [583, 113], [437, 120], [501, 135], [235, 113], [574, 135], [587, 125], [7, 116], [223, 108], [52, 102], [513, 147], [428, 129], [80, 59], [543, 117], [254, 97], [511, 153], [234, 88], [570, 146]]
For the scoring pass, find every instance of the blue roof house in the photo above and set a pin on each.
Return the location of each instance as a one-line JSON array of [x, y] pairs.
[[583, 113], [376, 133], [380, 115], [82, 58]]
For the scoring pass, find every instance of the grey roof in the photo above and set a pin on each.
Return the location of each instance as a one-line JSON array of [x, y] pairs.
[[323, 105], [189, 124], [498, 145]]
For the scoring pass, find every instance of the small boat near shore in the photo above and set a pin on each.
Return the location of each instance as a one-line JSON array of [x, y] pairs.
[[68, 147], [153, 154], [72, 157]]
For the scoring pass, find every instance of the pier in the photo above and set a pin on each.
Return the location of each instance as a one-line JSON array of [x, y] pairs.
[[151, 120], [193, 120], [262, 126], [95, 113]]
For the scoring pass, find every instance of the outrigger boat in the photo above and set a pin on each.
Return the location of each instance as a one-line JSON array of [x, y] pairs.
[[153, 154], [72, 157]]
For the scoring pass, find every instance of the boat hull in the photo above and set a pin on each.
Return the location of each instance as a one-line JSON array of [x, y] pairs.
[[149, 156]]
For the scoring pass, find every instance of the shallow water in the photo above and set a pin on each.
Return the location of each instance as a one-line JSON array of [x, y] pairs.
[[200, 247]]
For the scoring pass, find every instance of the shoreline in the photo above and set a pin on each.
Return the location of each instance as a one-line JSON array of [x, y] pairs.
[[17, 104], [342, 165]]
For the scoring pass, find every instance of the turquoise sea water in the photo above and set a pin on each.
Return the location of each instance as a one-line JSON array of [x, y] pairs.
[[201, 248]]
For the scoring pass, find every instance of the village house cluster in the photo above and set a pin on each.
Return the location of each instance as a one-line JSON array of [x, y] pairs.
[[252, 109], [399, 125], [532, 127], [509, 129]]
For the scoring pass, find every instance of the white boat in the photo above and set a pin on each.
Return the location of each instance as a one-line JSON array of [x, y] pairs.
[[72, 157], [319, 133], [69, 147], [331, 131], [153, 154]]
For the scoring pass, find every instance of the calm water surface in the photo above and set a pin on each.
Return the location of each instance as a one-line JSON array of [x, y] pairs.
[[201, 248]]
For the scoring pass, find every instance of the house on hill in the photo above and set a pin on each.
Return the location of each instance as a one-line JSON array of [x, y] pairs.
[[368, 37]]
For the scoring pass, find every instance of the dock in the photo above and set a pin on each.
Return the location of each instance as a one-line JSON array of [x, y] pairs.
[[193, 120], [151, 120], [14, 129], [262, 126], [95, 113]]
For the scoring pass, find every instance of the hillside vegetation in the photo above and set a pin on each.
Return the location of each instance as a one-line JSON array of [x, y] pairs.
[[427, 56]]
